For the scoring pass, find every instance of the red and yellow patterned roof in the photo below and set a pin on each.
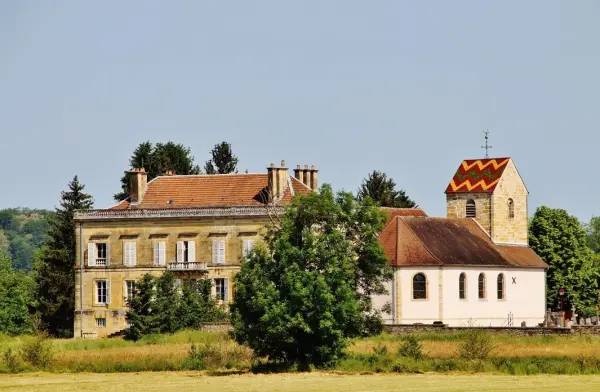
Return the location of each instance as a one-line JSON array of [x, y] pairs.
[[477, 175]]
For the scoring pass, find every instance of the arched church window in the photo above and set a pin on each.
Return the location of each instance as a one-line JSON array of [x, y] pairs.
[[419, 286], [481, 286], [471, 211], [500, 284], [511, 208], [462, 286]]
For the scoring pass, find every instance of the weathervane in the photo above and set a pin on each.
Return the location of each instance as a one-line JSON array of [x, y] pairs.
[[487, 147]]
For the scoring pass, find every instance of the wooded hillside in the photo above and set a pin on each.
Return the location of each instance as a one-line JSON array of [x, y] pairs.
[[22, 233]]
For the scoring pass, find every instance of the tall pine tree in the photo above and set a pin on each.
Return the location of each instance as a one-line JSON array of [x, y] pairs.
[[158, 159], [223, 161], [382, 190], [54, 269]]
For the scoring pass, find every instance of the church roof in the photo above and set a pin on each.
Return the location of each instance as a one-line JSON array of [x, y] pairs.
[[424, 241], [216, 190], [477, 175]]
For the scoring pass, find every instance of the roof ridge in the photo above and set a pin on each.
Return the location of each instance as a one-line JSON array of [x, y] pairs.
[[208, 175]]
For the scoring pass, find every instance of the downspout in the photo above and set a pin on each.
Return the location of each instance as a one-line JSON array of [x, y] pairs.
[[394, 296], [81, 279]]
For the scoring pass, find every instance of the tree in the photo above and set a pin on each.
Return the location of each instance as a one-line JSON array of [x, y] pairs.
[[4, 242], [16, 299], [593, 234], [159, 305], [383, 191], [561, 242], [223, 161], [157, 160], [300, 300], [54, 268]]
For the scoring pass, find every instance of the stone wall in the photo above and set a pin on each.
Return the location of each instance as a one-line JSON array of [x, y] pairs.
[[506, 229], [216, 327], [405, 329], [456, 205]]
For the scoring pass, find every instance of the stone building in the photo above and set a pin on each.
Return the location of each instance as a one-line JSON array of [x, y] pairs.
[[475, 265], [194, 225]]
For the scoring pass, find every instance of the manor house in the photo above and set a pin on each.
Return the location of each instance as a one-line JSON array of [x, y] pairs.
[[194, 225]]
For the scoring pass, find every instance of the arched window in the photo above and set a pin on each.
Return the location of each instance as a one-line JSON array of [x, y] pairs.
[[511, 208], [462, 286], [481, 286], [500, 283], [471, 210], [419, 286]]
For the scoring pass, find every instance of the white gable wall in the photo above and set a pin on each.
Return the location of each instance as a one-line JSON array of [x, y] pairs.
[[525, 299]]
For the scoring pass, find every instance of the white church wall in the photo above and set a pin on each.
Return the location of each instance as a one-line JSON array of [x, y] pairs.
[[525, 298], [379, 301]]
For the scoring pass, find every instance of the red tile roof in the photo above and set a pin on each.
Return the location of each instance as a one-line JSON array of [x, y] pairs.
[[425, 241], [477, 175], [220, 190]]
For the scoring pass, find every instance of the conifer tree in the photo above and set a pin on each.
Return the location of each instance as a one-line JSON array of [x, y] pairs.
[[223, 161], [382, 190], [54, 268]]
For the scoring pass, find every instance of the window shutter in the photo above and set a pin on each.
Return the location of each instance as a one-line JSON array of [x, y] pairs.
[[215, 251], [162, 254], [245, 248], [108, 291], [156, 253], [107, 254], [125, 253], [132, 253], [179, 251], [226, 290], [191, 251], [248, 246], [91, 254], [222, 251]]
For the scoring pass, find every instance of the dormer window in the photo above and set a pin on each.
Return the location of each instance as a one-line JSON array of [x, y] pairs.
[[511, 209], [471, 209]]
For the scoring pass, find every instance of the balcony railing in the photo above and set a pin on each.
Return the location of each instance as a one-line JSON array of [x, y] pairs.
[[101, 261], [186, 266]]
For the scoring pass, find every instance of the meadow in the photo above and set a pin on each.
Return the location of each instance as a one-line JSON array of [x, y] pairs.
[[215, 353]]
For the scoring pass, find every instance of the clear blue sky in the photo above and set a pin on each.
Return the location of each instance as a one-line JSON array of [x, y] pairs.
[[350, 86]]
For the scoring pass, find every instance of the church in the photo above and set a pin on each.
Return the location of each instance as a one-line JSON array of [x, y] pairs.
[[472, 268]]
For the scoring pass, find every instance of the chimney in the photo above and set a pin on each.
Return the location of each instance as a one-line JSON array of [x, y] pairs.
[[299, 174], [306, 174], [170, 173], [314, 178], [138, 179], [278, 177]]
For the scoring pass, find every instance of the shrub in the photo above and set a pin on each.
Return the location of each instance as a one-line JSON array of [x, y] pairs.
[[38, 352], [226, 355], [412, 348], [380, 349], [13, 361], [477, 344], [445, 365]]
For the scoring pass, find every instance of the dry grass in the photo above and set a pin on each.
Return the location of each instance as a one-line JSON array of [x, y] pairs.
[[188, 382], [573, 347]]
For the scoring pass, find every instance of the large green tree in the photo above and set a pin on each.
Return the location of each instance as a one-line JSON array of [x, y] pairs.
[[223, 160], [16, 298], [54, 268], [593, 233], [157, 159], [382, 189], [560, 240], [300, 300]]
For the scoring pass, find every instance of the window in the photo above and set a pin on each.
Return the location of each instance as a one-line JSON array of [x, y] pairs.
[[101, 322], [102, 292], [129, 253], [221, 289], [500, 284], [247, 246], [471, 210], [186, 252], [481, 286], [159, 253], [98, 254], [462, 286], [129, 289], [419, 286], [511, 208], [218, 251]]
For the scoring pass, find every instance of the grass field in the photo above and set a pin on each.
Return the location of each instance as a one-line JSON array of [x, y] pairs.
[[511, 355], [189, 381]]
